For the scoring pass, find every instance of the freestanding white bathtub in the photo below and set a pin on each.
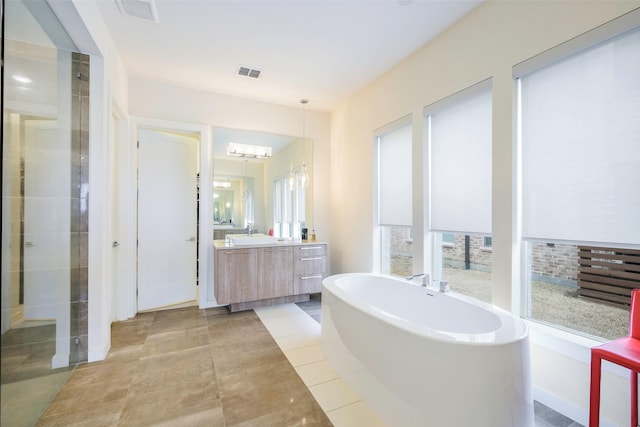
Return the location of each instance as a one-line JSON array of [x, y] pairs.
[[422, 358]]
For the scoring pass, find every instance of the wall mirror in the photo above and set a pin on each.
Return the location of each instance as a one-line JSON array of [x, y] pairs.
[[265, 192]]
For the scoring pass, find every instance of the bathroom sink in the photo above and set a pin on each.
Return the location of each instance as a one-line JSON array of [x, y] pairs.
[[251, 239]]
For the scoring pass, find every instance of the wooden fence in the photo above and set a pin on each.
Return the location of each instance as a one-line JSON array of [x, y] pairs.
[[607, 274]]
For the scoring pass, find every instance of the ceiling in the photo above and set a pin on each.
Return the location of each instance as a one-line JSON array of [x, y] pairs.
[[323, 50]]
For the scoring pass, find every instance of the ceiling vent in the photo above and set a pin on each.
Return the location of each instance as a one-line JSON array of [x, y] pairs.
[[139, 9], [249, 72]]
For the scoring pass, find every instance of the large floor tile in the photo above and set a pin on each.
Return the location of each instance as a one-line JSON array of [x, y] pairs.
[[333, 394], [167, 402], [355, 414], [176, 340], [305, 355], [316, 373], [294, 341]]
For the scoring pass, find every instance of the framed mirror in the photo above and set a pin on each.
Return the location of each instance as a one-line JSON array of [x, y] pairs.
[[246, 186]]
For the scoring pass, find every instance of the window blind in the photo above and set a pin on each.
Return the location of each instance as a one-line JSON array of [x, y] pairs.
[[460, 148], [394, 177], [580, 144]]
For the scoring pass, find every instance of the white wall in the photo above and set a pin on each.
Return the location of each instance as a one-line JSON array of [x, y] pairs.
[[486, 43]]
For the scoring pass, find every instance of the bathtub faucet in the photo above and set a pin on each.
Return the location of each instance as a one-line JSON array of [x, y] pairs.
[[444, 286], [425, 278]]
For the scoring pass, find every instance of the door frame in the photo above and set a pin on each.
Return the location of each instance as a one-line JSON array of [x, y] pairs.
[[128, 305], [117, 275]]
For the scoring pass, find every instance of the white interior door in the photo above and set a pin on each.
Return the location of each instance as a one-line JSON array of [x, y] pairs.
[[167, 220]]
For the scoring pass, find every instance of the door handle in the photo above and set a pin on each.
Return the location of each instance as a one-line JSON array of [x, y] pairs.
[[191, 239], [29, 244]]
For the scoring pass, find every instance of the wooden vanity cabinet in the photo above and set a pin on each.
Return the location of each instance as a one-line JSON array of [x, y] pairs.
[[310, 267], [274, 271], [247, 276], [236, 275]]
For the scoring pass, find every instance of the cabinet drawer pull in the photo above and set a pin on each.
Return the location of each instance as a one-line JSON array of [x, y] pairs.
[[310, 248], [317, 276], [311, 259]]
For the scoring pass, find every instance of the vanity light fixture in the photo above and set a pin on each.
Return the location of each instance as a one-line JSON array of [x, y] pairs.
[[244, 150]]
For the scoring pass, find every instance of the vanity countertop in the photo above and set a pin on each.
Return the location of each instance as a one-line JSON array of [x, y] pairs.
[[222, 244]]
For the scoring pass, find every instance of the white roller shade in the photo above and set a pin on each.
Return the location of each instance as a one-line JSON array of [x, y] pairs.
[[460, 164], [394, 177], [581, 146]]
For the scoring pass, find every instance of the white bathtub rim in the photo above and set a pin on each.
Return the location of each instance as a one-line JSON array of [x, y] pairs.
[[512, 328]]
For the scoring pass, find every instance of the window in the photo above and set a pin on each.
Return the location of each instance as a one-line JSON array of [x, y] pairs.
[[448, 238], [487, 242], [460, 146], [578, 127], [289, 201], [394, 207]]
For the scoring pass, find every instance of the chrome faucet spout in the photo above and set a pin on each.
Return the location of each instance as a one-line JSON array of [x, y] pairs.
[[425, 278]]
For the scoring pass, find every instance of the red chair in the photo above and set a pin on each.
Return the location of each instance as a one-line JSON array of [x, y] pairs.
[[624, 352]]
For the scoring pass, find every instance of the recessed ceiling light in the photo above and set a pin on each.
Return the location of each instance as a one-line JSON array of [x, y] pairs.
[[21, 79]]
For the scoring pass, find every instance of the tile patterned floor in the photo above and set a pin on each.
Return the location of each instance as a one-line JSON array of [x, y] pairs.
[[28, 382], [187, 367], [213, 368], [298, 335]]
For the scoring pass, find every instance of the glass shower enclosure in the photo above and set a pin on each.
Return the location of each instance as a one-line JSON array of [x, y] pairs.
[[45, 185]]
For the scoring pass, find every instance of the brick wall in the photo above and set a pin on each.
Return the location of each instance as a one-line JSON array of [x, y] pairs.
[[553, 262], [401, 257], [479, 256]]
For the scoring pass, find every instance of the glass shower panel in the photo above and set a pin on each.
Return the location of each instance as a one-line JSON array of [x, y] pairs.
[[44, 229]]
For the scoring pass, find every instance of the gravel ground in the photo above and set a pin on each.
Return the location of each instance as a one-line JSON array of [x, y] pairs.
[[551, 303]]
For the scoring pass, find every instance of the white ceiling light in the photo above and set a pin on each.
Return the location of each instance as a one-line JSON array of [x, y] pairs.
[[244, 150], [140, 9]]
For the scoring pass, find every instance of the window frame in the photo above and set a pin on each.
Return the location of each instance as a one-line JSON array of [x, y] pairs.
[[379, 229]]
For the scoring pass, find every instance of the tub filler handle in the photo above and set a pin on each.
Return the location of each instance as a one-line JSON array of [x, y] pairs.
[[317, 276], [311, 259], [425, 278]]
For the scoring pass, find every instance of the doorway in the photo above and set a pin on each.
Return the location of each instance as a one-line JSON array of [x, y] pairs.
[[167, 218]]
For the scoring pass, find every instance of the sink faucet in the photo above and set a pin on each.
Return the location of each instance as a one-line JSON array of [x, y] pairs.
[[425, 278], [250, 229]]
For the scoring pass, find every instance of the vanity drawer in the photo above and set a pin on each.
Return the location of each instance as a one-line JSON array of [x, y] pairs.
[[310, 267], [306, 251]]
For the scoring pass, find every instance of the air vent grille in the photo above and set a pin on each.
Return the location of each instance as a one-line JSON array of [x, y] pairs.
[[140, 9], [249, 72]]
